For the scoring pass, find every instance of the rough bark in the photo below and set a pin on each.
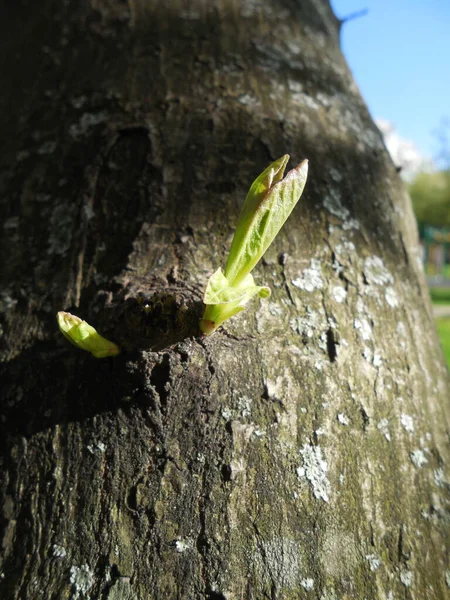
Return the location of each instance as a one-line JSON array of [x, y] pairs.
[[299, 452]]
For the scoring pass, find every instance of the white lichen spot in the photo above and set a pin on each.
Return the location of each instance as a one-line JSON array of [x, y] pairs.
[[339, 293], [307, 584], [335, 174], [383, 427], [82, 579], [311, 278], [439, 477], [275, 309], [375, 271], [47, 148], [320, 431], [7, 302], [334, 205], [346, 247], [391, 297], [407, 422], [377, 360], [98, 446], [259, 433], [307, 324], [364, 328], [323, 341], [248, 100], [343, 419], [447, 578], [226, 413], [59, 551], [374, 562], [87, 121], [418, 458], [401, 329], [295, 86], [315, 468], [406, 577], [350, 224], [245, 406], [183, 545]]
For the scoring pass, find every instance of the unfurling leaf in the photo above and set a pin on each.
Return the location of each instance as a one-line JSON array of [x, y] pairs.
[[263, 215], [84, 336], [224, 300], [268, 204]]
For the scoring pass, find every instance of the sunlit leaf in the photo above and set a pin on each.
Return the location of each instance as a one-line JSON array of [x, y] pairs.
[[224, 300], [84, 336], [266, 208], [268, 204]]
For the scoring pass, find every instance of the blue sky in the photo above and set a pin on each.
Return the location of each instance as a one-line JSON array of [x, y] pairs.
[[399, 54]]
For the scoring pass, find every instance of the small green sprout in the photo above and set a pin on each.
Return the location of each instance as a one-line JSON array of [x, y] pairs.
[[269, 202], [84, 336]]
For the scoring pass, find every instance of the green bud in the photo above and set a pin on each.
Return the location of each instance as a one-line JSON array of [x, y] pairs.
[[268, 204], [84, 336]]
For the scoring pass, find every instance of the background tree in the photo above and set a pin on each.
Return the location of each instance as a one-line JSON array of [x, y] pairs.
[[302, 451], [430, 194]]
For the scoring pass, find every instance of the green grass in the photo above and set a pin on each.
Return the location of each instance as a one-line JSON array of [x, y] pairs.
[[440, 295], [443, 326]]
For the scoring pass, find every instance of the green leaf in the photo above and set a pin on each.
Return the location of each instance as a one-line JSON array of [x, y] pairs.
[[268, 204], [219, 291], [224, 300], [84, 336]]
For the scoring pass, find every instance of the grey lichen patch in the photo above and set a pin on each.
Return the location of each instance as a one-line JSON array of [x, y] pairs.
[[406, 577], [311, 278], [374, 562], [82, 579], [314, 468], [373, 358], [363, 327], [308, 324], [86, 122], [391, 297], [375, 271], [184, 544], [407, 422], [334, 205], [343, 419], [383, 426], [59, 551], [439, 478], [7, 302], [307, 584], [339, 293], [418, 458]]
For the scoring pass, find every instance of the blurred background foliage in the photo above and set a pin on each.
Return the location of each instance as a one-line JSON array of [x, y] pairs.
[[430, 195]]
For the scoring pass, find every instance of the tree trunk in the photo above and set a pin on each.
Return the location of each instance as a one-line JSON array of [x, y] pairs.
[[299, 452]]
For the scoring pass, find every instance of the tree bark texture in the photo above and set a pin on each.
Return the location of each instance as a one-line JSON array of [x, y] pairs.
[[302, 451]]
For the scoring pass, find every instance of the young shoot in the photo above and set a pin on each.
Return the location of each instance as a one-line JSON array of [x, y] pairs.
[[269, 202], [84, 336]]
